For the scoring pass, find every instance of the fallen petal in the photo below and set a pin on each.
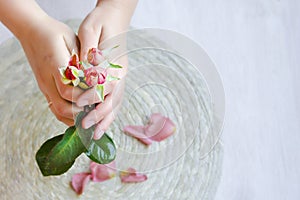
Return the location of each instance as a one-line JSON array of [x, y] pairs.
[[131, 176], [138, 132], [159, 127], [100, 173], [79, 181]]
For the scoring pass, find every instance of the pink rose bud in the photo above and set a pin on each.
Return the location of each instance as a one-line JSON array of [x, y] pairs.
[[74, 61], [91, 75], [95, 75], [101, 75], [95, 56]]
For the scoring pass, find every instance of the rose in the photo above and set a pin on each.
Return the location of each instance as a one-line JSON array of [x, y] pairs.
[[95, 76], [95, 56], [70, 74]]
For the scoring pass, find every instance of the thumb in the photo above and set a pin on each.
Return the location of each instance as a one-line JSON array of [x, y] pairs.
[[72, 43], [89, 38]]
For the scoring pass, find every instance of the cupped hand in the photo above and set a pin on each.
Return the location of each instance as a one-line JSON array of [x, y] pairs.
[[48, 46], [97, 31]]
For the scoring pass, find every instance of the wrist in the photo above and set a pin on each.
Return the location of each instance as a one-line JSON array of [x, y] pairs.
[[124, 8], [20, 17]]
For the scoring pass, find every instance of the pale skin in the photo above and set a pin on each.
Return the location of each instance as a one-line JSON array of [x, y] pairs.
[[48, 44]]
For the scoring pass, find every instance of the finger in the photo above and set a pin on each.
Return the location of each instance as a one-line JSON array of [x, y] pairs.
[[90, 96], [96, 115], [63, 109], [98, 133], [89, 36], [66, 109], [71, 41], [103, 125], [67, 121]]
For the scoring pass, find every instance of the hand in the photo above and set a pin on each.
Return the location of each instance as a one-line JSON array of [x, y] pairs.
[[104, 22], [48, 46]]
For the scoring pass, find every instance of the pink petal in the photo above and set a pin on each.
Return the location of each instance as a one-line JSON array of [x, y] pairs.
[[100, 173], [79, 181], [101, 78], [159, 128], [74, 61], [95, 56], [131, 176], [91, 76], [137, 132]]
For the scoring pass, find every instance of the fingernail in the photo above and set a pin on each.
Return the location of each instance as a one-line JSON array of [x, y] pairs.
[[82, 102], [87, 124], [98, 134]]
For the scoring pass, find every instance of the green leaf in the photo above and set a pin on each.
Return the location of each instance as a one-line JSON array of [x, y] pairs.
[[58, 154], [100, 91], [111, 78], [85, 135], [111, 65], [102, 151], [115, 47]]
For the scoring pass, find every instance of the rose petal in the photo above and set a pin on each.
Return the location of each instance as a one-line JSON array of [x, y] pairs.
[[100, 173], [102, 73], [74, 60], [138, 132], [69, 73], [79, 181], [159, 128], [91, 76], [101, 78], [131, 176]]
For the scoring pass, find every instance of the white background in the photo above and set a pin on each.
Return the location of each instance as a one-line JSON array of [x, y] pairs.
[[256, 47]]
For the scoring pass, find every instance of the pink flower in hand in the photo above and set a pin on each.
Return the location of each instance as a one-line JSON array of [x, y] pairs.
[[70, 74], [79, 181], [95, 56], [100, 173], [95, 75], [131, 176]]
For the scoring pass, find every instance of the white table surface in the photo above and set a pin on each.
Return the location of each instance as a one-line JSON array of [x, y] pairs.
[[256, 46]]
